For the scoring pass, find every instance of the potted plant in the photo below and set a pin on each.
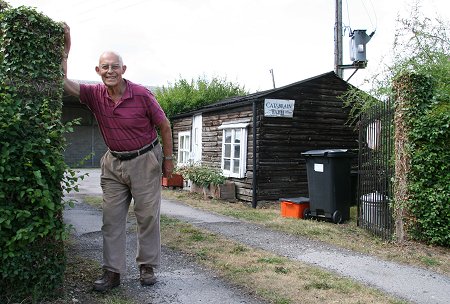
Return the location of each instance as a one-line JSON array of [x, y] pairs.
[[203, 177], [176, 180]]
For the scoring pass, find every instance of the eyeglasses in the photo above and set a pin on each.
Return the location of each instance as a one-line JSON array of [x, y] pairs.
[[113, 67]]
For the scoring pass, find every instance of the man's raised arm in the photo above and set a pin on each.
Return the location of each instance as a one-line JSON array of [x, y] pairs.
[[70, 87]]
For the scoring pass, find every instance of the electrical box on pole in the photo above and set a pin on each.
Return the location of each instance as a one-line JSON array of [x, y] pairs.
[[358, 42]]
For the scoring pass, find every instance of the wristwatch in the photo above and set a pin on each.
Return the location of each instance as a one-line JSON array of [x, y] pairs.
[[168, 157]]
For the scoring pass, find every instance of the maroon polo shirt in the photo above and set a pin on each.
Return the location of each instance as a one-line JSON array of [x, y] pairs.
[[128, 124]]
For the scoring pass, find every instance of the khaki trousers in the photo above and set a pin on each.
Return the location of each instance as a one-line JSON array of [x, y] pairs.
[[140, 179]]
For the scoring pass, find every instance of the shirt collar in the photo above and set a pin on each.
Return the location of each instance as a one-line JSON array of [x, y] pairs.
[[128, 92]]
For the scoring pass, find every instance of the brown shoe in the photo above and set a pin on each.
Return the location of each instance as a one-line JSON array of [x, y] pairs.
[[147, 275], [108, 281]]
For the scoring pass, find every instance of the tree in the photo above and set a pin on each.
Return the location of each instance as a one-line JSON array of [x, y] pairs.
[[184, 96]]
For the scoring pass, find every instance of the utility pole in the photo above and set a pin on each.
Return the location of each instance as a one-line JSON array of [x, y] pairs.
[[273, 77], [338, 40]]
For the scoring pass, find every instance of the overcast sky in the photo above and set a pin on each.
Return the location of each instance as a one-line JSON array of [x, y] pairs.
[[242, 40]]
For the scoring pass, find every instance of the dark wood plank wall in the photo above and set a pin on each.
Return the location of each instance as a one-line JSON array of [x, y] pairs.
[[319, 122]]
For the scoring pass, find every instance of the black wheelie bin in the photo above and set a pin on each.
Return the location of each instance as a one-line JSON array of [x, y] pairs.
[[329, 184]]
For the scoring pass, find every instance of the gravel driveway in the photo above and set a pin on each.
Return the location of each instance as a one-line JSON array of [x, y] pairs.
[[182, 281]]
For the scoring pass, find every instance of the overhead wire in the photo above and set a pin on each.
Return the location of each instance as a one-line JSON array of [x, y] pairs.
[[92, 9], [77, 4], [349, 26], [368, 14], [376, 17], [133, 4]]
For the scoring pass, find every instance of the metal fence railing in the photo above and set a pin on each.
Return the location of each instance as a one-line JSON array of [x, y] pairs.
[[376, 170]]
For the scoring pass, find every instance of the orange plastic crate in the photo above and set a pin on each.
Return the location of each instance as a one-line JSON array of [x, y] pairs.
[[294, 207]]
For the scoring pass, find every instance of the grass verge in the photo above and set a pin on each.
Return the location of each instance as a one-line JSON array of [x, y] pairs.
[[347, 235], [271, 277]]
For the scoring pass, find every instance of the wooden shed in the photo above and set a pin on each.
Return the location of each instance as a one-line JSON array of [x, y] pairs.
[[257, 139]]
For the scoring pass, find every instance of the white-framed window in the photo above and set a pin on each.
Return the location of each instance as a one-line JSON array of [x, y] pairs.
[[234, 149], [196, 149], [184, 147]]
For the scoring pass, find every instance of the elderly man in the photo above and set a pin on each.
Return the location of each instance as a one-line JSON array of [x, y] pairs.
[[128, 115]]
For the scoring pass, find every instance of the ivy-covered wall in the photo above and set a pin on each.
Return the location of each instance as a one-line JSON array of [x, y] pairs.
[[425, 116], [32, 168]]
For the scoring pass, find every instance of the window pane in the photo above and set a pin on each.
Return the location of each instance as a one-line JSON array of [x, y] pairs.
[[237, 136], [226, 164], [236, 166], [184, 139], [228, 151], [237, 151], [227, 136]]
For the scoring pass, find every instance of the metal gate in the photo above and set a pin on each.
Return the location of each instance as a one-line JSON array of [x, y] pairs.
[[376, 170]]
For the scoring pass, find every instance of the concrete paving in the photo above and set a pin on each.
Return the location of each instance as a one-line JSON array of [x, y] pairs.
[[404, 282]]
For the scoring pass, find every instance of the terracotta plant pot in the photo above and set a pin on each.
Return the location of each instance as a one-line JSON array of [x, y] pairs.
[[175, 181]]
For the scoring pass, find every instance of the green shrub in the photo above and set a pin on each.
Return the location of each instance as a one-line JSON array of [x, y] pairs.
[[33, 174], [202, 175], [185, 96], [429, 179]]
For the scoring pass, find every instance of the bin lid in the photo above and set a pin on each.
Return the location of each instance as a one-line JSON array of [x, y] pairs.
[[329, 153], [374, 197], [296, 200]]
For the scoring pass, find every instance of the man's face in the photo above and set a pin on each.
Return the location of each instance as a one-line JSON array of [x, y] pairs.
[[110, 68]]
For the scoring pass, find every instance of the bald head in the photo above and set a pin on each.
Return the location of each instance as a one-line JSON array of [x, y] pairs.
[[111, 55], [111, 68]]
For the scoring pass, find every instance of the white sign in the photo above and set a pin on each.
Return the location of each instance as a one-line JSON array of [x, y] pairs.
[[318, 167], [279, 108]]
